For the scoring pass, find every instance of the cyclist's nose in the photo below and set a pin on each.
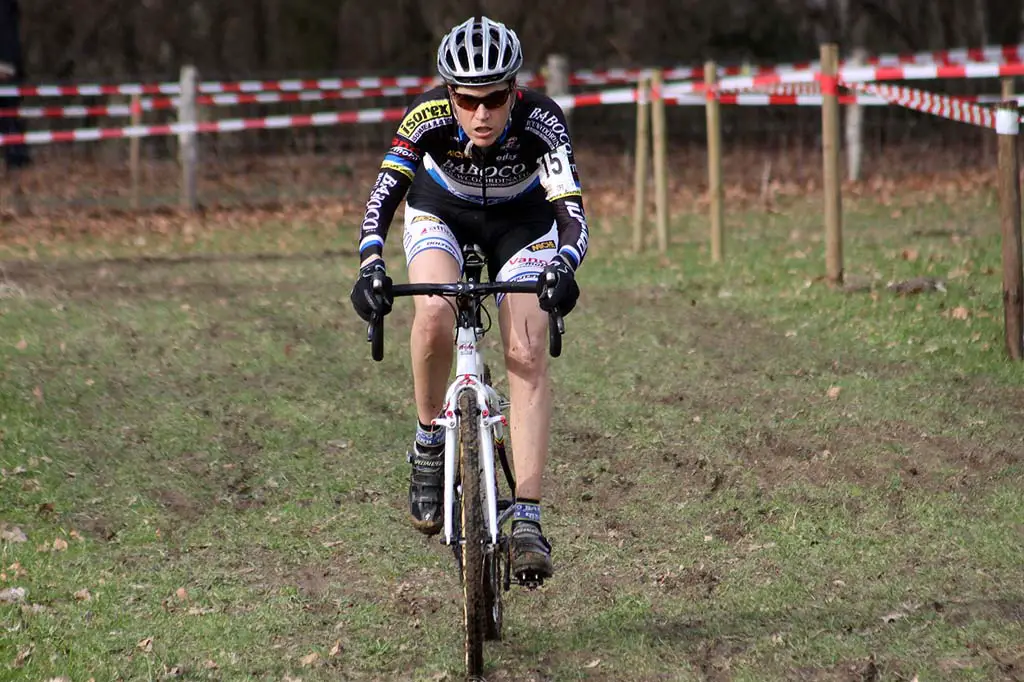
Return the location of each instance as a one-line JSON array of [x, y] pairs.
[[482, 112]]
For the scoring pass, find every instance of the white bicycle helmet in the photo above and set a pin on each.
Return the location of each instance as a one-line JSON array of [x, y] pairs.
[[479, 52]]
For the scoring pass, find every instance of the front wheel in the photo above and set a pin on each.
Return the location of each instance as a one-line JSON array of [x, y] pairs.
[[474, 573]]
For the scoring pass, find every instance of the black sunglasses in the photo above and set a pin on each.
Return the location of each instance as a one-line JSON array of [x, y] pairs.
[[493, 100]]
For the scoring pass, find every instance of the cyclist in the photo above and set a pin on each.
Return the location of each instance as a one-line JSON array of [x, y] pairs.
[[480, 160]]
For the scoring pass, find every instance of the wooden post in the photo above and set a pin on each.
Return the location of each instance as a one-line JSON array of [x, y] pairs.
[[134, 149], [556, 78], [831, 156], [1007, 88], [660, 159], [714, 133], [188, 145], [643, 156], [1008, 129]]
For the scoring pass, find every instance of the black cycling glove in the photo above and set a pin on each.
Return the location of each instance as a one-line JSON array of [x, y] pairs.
[[369, 299], [557, 288]]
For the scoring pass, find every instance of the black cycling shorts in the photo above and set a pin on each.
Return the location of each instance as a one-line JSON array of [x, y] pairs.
[[517, 244]]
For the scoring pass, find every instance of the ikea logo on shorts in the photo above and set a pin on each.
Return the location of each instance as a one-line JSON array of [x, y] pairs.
[[428, 111], [540, 246]]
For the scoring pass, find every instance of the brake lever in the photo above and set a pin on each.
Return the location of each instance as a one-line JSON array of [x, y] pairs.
[[375, 330]]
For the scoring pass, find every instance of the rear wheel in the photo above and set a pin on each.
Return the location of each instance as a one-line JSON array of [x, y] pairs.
[[494, 573], [474, 573]]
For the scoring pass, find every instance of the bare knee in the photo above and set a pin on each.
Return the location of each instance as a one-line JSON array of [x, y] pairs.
[[526, 361], [434, 320]]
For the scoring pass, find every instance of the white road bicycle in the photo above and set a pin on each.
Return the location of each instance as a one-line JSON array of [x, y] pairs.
[[475, 515]]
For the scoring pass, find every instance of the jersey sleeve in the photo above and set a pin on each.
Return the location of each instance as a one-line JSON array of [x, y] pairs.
[[397, 171], [560, 180]]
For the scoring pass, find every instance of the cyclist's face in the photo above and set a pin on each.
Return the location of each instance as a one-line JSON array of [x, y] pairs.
[[483, 111]]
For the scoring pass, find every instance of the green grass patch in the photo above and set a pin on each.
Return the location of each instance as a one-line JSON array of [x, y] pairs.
[[754, 475]]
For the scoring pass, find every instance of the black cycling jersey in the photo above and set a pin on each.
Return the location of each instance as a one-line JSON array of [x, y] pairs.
[[529, 168]]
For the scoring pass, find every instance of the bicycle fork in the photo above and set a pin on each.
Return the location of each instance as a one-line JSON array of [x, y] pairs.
[[469, 370]]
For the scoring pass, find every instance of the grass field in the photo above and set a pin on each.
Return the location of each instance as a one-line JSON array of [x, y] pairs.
[[754, 476]]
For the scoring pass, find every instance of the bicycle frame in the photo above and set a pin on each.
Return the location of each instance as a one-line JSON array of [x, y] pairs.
[[469, 376]]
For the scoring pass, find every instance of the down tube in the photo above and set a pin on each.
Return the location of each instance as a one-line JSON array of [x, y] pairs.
[[487, 464], [450, 447]]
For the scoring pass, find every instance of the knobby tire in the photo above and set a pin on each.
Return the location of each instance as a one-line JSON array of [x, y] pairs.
[[474, 574]]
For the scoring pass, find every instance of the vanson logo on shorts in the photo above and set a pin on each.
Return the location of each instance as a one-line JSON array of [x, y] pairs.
[[524, 261]]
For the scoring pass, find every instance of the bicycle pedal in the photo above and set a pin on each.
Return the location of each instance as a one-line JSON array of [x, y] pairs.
[[529, 579]]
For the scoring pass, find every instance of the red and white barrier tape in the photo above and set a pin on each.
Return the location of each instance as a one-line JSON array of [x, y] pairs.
[[1005, 54], [590, 99], [953, 108], [956, 108], [762, 100], [224, 126], [211, 88], [930, 72], [620, 96], [113, 110], [860, 74], [309, 95], [815, 100], [354, 87], [151, 104], [997, 54]]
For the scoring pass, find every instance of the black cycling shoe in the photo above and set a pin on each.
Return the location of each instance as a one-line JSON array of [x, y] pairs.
[[426, 489], [531, 554]]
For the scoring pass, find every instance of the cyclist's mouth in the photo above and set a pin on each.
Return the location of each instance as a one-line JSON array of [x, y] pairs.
[[483, 131]]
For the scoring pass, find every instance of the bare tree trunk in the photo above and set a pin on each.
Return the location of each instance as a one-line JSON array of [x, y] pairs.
[[1003, 20], [981, 21], [13, 70]]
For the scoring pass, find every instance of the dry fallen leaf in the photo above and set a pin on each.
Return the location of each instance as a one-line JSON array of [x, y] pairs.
[[593, 664], [181, 593], [12, 534], [336, 649], [60, 544], [833, 392], [23, 655], [12, 595], [960, 313], [83, 595], [211, 665], [309, 659], [145, 644], [21, 345]]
